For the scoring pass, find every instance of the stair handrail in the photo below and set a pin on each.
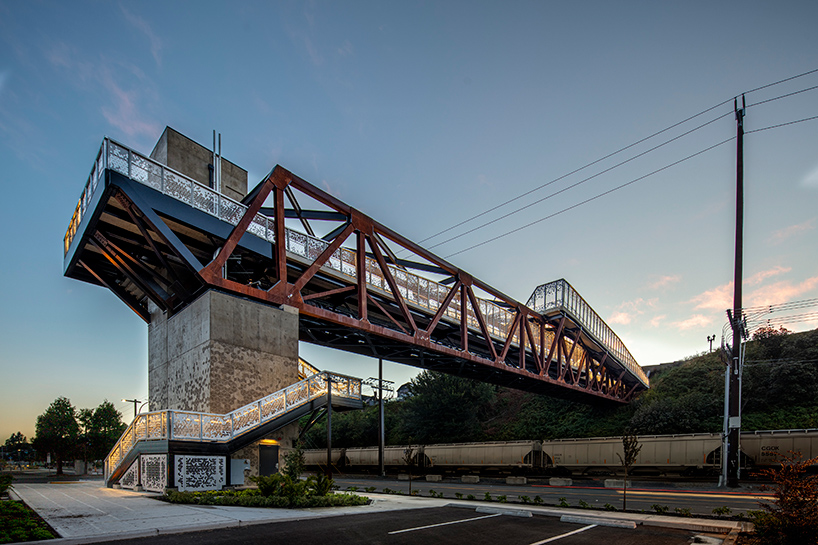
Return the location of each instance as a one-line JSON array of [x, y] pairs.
[[221, 428]]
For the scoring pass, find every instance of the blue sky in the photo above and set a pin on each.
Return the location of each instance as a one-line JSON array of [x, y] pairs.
[[420, 114]]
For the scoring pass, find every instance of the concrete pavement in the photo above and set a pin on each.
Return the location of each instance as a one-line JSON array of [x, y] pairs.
[[87, 512]]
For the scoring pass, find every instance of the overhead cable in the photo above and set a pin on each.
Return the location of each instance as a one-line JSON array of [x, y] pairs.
[[591, 199]]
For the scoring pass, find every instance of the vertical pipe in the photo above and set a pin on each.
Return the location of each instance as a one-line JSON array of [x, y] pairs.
[[381, 435], [329, 426]]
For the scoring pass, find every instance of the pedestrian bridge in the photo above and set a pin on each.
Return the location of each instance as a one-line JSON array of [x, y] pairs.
[[153, 235]]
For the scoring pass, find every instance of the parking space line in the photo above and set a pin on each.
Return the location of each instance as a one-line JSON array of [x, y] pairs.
[[444, 524], [555, 538]]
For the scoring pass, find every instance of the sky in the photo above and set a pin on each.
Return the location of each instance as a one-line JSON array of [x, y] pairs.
[[422, 115]]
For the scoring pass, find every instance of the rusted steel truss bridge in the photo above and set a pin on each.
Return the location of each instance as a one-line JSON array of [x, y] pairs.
[[153, 235]]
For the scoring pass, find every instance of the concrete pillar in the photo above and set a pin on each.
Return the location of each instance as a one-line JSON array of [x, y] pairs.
[[220, 353]]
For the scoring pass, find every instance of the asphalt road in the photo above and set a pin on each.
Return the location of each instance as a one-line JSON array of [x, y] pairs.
[[446, 525], [699, 501]]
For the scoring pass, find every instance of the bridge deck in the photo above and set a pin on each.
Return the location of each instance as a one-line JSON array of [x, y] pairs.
[[150, 233]]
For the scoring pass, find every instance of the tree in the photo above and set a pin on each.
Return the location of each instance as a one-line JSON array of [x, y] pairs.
[[631, 449], [57, 430], [17, 447], [444, 408], [105, 428]]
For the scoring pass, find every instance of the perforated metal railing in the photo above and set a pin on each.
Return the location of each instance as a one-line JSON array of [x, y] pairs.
[[559, 295], [221, 428], [418, 291]]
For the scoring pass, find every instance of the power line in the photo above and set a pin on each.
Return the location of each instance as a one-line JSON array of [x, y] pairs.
[[592, 163], [620, 150], [604, 193], [529, 205], [782, 124], [787, 95], [591, 199]]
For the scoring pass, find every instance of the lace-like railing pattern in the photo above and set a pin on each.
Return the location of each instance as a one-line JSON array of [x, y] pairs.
[[560, 295], [416, 290], [195, 426]]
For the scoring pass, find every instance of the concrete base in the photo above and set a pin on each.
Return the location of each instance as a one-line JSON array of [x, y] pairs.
[[615, 483], [470, 479], [403, 477], [560, 481], [434, 478], [516, 480]]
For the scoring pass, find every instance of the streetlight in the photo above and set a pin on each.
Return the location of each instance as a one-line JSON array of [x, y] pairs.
[[710, 339]]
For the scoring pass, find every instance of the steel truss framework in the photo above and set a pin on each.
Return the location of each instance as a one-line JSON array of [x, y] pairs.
[[142, 240]]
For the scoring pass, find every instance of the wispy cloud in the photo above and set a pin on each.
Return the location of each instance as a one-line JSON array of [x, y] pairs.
[[781, 292], [665, 281], [124, 114], [346, 49], [145, 28], [811, 179], [697, 320], [783, 234], [121, 105], [626, 312], [721, 297], [656, 321]]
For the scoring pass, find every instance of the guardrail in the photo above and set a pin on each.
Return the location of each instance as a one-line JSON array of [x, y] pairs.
[[559, 295], [221, 428], [415, 289]]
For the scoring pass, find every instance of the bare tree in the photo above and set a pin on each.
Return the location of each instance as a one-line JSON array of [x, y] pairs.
[[409, 459], [631, 448]]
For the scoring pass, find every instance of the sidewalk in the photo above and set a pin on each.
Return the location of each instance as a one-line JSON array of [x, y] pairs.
[[86, 512]]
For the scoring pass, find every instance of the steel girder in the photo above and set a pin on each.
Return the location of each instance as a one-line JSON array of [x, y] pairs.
[[145, 246]]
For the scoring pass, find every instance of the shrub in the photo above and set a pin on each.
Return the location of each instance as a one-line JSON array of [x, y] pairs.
[[487, 497], [470, 497], [683, 511], [723, 510], [609, 507], [321, 485], [660, 509], [537, 500], [793, 516], [584, 504], [564, 503], [5, 483], [19, 523], [524, 499], [501, 499], [369, 489], [458, 495]]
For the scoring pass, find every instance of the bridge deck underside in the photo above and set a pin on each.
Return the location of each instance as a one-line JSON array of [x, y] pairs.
[[147, 246]]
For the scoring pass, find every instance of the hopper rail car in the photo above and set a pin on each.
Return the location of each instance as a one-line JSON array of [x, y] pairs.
[[682, 454]]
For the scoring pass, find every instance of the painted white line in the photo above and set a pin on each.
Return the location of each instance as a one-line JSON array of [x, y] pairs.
[[555, 538], [444, 524]]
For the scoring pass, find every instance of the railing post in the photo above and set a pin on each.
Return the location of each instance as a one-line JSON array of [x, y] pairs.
[[201, 428]]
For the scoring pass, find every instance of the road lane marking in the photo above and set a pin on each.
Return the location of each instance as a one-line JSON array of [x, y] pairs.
[[555, 538], [695, 495], [444, 524]]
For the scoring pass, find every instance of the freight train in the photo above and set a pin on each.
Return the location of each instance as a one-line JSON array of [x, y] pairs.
[[688, 454]]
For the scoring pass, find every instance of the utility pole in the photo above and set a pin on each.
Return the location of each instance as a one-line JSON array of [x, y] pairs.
[[381, 435], [329, 426], [734, 400]]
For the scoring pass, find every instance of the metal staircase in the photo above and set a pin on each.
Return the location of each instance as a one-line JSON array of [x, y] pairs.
[[172, 431]]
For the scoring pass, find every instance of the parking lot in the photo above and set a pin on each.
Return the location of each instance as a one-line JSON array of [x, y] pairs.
[[439, 525]]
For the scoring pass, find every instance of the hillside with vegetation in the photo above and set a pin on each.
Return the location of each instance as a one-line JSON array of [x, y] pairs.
[[780, 381]]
